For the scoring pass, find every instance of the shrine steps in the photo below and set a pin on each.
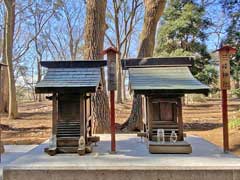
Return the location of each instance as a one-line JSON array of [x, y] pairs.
[[68, 134], [67, 141]]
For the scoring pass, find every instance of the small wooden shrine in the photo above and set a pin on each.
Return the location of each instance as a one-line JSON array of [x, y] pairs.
[[162, 82], [71, 83]]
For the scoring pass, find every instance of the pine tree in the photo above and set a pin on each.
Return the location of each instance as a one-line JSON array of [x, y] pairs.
[[182, 33]]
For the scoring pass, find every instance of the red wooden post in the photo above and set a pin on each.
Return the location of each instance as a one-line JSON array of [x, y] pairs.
[[113, 139], [112, 86], [224, 54], [225, 121]]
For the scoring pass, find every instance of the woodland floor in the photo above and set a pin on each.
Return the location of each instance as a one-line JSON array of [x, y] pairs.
[[201, 119]]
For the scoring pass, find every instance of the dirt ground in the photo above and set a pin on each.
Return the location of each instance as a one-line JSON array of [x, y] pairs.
[[204, 119], [201, 119]]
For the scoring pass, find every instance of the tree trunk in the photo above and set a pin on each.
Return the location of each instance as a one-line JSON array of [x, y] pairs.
[[236, 82], [10, 22], [119, 80], [237, 85], [95, 27], [39, 77], [4, 92], [152, 14], [124, 89]]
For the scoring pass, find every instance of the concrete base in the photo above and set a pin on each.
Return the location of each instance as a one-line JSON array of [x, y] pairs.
[[137, 174], [180, 147], [132, 161]]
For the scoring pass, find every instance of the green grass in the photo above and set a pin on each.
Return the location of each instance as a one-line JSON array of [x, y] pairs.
[[234, 123]]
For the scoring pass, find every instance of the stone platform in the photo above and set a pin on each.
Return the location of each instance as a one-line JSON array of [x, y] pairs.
[[132, 161]]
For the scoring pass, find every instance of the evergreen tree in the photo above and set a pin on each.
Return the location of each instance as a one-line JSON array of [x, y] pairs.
[[181, 33]]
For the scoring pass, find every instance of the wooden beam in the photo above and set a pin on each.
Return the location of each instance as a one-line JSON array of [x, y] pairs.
[[168, 100], [63, 90], [82, 118], [156, 62], [225, 120], [149, 117], [54, 113], [180, 119], [74, 64], [177, 92]]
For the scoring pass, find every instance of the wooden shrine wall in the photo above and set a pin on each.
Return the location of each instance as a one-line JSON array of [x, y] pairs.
[[164, 113], [69, 107]]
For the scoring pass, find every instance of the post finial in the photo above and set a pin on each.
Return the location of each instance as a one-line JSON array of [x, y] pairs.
[[110, 49]]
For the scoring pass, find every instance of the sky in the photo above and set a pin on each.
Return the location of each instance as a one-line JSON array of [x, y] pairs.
[[214, 35], [218, 18]]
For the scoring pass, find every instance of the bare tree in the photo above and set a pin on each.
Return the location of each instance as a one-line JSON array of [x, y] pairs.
[[65, 38], [73, 17], [152, 14], [124, 17], [4, 90], [10, 22], [95, 28], [41, 13]]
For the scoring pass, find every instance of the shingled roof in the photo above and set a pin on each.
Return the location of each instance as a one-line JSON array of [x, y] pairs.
[[159, 76], [70, 76]]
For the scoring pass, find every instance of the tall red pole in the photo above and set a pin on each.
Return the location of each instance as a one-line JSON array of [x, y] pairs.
[[112, 104], [225, 121], [224, 54], [112, 86]]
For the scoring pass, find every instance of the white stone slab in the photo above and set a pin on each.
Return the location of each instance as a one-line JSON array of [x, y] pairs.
[[131, 154]]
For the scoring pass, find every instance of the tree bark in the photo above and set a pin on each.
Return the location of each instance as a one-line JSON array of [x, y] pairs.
[[10, 22], [95, 27], [152, 14], [4, 92], [237, 85], [120, 85], [39, 77]]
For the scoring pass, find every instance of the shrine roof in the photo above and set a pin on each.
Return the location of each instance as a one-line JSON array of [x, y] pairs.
[[157, 62], [165, 80], [70, 76]]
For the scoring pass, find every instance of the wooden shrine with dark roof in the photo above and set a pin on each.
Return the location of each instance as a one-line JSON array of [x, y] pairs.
[[162, 82], [72, 84]]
